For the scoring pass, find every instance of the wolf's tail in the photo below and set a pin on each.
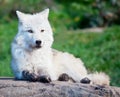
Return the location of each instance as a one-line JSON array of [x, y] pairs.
[[99, 78]]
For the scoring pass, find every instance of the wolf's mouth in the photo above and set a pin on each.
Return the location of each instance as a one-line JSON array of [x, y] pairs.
[[38, 46]]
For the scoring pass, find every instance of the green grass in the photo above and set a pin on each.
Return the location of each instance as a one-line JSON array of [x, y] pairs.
[[99, 51], [7, 32]]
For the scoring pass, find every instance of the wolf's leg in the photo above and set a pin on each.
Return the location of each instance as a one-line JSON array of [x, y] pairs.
[[65, 77], [29, 76]]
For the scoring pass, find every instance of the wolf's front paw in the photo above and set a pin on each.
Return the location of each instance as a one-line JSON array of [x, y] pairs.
[[44, 79], [85, 80], [29, 76]]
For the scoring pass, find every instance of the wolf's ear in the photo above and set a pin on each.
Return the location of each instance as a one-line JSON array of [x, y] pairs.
[[45, 13], [20, 15]]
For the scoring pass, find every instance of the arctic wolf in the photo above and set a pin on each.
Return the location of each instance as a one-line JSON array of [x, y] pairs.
[[33, 58]]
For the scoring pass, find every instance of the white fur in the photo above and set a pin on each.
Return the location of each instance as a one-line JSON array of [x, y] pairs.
[[25, 56]]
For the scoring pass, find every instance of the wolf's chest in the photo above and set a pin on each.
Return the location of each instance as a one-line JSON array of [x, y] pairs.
[[38, 59]]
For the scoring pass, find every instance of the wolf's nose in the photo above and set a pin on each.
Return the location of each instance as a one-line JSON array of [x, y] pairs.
[[38, 42]]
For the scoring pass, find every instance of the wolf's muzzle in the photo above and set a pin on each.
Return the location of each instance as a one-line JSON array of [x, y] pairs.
[[38, 43]]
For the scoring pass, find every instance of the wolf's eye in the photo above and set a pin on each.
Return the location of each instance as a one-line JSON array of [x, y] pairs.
[[30, 31], [42, 30]]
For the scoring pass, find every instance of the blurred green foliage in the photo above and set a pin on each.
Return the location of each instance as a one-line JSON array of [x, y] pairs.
[[7, 31], [74, 13]]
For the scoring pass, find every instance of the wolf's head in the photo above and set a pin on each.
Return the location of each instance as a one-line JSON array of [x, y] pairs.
[[34, 30]]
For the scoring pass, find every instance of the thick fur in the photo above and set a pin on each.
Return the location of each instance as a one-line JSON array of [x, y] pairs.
[[45, 60]]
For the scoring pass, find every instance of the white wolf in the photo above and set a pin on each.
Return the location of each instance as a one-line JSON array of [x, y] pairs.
[[33, 58]]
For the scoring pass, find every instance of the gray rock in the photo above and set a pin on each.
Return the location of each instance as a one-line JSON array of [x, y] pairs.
[[12, 88]]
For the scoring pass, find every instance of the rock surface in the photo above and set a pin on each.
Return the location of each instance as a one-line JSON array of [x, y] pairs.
[[12, 88]]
